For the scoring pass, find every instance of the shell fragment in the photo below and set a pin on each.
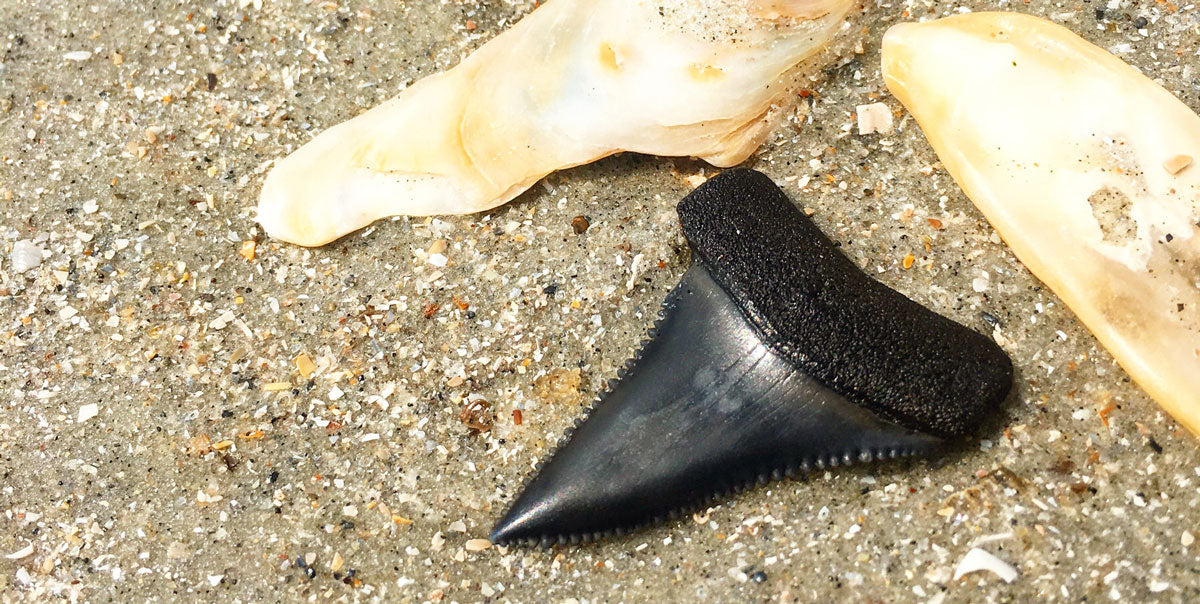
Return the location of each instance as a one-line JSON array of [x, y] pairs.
[[572, 82], [1082, 165], [979, 560]]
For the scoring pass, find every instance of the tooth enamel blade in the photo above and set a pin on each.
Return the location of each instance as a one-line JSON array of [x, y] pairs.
[[572, 82], [1084, 166], [774, 354], [706, 408]]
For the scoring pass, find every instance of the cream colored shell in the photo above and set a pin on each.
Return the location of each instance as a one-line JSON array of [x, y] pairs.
[[574, 81], [1084, 166]]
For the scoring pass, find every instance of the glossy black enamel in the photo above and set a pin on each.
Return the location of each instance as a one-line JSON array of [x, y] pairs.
[[705, 409]]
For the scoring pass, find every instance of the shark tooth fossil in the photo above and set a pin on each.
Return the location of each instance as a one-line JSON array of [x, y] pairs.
[[572, 82], [774, 354], [1083, 166]]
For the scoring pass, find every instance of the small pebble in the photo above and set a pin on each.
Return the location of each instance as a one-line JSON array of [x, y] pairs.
[[88, 411], [477, 545], [304, 364], [980, 283], [874, 118], [580, 224]]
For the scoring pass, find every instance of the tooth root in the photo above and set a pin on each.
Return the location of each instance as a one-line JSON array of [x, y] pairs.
[[1078, 161], [572, 82]]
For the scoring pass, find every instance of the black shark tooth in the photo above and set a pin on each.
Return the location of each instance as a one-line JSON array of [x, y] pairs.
[[774, 354]]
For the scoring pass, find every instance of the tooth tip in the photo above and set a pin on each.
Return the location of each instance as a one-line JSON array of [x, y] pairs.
[[506, 531], [533, 516], [499, 536]]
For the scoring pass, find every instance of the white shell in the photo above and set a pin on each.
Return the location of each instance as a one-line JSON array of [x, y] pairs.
[[977, 560], [25, 255], [572, 82], [21, 553], [1075, 159]]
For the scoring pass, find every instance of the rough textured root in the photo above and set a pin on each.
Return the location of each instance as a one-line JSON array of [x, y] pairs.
[[868, 343], [798, 469]]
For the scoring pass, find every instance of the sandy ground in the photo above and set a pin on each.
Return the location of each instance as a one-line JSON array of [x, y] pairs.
[[184, 414]]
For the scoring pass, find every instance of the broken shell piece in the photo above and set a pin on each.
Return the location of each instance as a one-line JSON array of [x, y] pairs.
[[775, 354], [977, 560], [873, 118], [1062, 146], [1177, 164], [572, 82], [21, 553]]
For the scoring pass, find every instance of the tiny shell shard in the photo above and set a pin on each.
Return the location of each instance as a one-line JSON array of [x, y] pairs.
[[1083, 165], [572, 82]]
